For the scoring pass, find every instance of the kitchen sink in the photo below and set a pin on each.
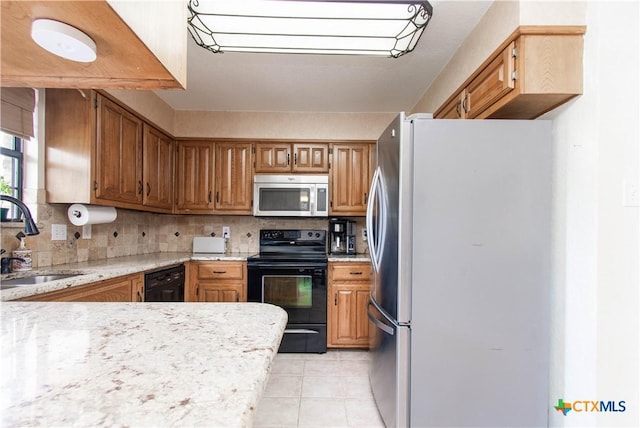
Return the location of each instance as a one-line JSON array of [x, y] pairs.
[[34, 279]]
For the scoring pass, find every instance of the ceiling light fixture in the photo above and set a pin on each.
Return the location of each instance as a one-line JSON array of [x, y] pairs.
[[388, 28], [63, 40]]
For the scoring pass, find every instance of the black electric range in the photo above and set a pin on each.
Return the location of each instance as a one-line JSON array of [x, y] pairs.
[[291, 272]]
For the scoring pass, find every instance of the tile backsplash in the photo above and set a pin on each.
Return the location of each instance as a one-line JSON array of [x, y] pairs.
[[136, 232]]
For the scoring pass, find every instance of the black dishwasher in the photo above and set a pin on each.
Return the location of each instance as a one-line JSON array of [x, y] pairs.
[[165, 285]]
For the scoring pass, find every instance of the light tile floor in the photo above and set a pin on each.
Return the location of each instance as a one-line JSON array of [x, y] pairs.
[[319, 390]]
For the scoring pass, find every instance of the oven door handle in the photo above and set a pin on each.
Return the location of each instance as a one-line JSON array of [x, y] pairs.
[[300, 331]]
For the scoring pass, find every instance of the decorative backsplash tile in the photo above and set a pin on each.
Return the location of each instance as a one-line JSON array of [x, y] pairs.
[[136, 232]]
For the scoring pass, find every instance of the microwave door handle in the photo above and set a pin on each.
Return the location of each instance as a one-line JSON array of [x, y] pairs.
[[312, 200]]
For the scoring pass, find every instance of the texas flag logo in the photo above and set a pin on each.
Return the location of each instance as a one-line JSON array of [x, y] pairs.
[[563, 407]]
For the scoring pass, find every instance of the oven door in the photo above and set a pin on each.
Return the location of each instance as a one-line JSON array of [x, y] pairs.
[[301, 291]]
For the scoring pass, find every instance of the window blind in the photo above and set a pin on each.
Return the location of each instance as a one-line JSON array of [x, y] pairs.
[[16, 111]]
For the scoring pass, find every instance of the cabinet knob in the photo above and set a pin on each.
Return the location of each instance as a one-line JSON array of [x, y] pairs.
[[355, 273], [148, 189], [140, 187], [219, 272]]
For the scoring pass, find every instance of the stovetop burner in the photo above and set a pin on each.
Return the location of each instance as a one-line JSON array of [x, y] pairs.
[[291, 246]]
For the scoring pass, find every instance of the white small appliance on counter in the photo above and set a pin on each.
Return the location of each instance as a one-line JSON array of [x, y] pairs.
[[209, 245]]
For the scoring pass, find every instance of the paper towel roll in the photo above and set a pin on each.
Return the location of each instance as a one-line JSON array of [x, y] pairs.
[[80, 214]]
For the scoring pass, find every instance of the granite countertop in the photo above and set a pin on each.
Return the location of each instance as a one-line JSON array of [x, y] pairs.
[[350, 258], [99, 270], [131, 364]]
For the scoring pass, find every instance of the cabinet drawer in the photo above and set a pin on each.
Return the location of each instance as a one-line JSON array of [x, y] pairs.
[[221, 270], [350, 272]]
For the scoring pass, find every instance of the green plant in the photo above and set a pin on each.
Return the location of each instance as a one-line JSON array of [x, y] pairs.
[[5, 187]]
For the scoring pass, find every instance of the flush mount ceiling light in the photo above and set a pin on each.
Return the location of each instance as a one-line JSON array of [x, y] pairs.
[[338, 27], [63, 40]]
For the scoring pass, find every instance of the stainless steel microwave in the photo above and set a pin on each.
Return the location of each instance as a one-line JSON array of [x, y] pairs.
[[291, 195]]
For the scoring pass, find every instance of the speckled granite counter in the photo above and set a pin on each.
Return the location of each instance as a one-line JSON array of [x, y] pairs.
[[350, 258], [127, 364], [99, 270]]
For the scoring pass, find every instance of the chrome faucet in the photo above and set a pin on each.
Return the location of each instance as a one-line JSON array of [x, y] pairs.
[[30, 227]]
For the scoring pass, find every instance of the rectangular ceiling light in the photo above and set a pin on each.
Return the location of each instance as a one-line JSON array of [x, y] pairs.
[[388, 28]]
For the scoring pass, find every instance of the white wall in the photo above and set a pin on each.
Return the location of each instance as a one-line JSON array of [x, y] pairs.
[[596, 280]]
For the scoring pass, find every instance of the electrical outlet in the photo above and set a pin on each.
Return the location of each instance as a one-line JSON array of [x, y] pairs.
[[630, 194], [86, 231], [58, 232], [364, 235], [226, 232]]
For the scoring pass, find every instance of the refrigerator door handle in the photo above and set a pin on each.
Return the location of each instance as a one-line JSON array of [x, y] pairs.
[[376, 232], [382, 326], [369, 219]]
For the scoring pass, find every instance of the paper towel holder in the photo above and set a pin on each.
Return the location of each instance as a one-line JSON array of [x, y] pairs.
[[81, 215]]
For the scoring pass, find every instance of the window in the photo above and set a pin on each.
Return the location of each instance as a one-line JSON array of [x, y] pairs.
[[11, 169]]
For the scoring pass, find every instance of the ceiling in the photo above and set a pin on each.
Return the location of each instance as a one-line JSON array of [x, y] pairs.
[[325, 83]]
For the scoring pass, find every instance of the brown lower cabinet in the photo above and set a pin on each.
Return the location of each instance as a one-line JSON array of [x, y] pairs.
[[216, 281], [122, 289], [348, 296]]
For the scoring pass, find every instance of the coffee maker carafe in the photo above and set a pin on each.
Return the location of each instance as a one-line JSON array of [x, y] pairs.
[[342, 234]]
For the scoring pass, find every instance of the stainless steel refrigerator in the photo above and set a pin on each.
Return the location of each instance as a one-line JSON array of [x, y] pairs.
[[459, 234]]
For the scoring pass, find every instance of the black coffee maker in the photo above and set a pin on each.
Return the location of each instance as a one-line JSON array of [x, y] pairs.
[[342, 236]]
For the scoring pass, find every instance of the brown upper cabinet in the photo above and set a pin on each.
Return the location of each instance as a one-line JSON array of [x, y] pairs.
[[157, 168], [535, 70], [94, 153], [118, 154], [213, 177], [234, 180], [194, 177], [281, 157], [351, 170]]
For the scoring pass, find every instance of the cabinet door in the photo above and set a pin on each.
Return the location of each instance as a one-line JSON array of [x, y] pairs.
[[348, 322], [114, 290], [216, 281], [273, 157], [453, 109], [157, 168], [234, 187], [343, 315], [348, 297], [311, 158], [349, 179], [137, 288], [362, 320], [118, 154], [194, 184], [494, 82], [212, 292]]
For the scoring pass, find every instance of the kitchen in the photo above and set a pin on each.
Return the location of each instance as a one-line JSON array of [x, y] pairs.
[[595, 258]]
